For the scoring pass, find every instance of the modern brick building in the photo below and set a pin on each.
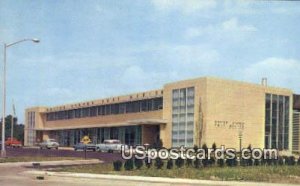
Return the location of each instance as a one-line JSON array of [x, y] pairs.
[[190, 112]]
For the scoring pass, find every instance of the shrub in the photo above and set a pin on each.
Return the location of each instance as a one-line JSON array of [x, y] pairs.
[[148, 164], [280, 161], [195, 148], [269, 161], [128, 164], [197, 163], [298, 163], [159, 163], [204, 147], [256, 162], [263, 161], [212, 161], [138, 163], [170, 164], [179, 162], [220, 162], [189, 162], [290, 160], [205, 162], [214, 146], [117, 165], [231, 162], [250, 160], [243, 162]]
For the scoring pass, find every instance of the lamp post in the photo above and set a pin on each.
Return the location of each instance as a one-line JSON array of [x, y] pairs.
[[3, 151]]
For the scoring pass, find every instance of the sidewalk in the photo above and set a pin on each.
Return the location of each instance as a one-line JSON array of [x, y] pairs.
[[52, 163], [147, 180]]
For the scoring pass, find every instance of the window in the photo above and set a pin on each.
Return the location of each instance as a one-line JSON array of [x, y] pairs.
[[93, 111], [276, 121], [78, 113], [119, 108], [115, 109], [183, 117]]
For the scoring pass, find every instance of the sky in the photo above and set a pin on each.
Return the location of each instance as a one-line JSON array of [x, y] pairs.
[[97, 49]]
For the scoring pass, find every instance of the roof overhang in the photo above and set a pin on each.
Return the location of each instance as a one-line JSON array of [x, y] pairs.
[[128, 123]]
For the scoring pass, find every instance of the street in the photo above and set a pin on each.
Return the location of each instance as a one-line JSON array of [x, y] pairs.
[[22, 152]]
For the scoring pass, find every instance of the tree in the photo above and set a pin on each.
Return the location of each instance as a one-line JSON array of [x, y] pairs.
[[18, 128]]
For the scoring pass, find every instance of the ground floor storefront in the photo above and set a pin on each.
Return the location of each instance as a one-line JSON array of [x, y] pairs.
[[130, 135]]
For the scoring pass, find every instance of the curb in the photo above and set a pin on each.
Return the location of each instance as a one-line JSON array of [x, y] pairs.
[[150, 179]]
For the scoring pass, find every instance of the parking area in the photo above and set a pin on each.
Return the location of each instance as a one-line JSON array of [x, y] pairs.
[[61, 152]]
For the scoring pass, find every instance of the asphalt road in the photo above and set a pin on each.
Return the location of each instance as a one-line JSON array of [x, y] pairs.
[[21, 152]]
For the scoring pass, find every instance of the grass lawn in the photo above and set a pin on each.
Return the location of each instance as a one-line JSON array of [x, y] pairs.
[[275, 174], [35, 158]]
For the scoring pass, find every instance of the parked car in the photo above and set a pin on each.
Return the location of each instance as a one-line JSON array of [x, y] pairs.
[[111, 146], [13, 142], [82, 146], [49, 144]]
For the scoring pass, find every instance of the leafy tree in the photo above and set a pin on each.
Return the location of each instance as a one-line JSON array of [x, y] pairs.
[[18, 128]]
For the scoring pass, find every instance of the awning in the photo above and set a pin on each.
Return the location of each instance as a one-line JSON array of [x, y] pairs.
[[127, 123]]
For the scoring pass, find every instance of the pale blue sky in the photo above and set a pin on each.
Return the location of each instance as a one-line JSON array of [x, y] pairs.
[[95, 49]]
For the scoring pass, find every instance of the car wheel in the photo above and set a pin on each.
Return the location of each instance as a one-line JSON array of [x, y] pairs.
[[41, 147], [56, 148], [75, 149]]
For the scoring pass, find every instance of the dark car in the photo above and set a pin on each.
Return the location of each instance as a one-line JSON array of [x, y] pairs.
[[82, 146]]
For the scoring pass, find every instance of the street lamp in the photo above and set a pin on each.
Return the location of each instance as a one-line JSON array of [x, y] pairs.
[[3, 152]]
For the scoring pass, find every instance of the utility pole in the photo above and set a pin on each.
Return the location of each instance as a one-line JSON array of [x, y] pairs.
[[12, 121]]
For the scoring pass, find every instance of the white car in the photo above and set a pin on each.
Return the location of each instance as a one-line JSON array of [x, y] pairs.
[[49, 144], [111, 146]]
